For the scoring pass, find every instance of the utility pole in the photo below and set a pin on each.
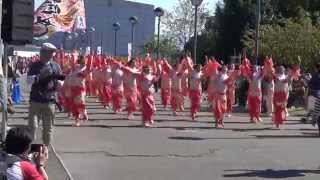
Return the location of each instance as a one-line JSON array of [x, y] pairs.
[[258, 19]]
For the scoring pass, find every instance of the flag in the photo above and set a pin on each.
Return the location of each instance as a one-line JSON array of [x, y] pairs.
[[58, 16]]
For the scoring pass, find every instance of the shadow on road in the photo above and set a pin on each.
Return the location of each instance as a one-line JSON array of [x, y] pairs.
[[270, 173], [285, 136], [201, 139]]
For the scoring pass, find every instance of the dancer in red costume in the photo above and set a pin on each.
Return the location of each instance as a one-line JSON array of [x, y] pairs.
[[219, 102], [70, 63], [195, 91], [268, 71], [130, 87], [165, 85], [89, 77], [149, 62], [96, 80], [77, 87], [147, 90], [231, 91], [185, 63], [147, 97], [105, 88], [176, 88], [255, 94], [117, 87], [66, 68], [280, 93], [211, 70]]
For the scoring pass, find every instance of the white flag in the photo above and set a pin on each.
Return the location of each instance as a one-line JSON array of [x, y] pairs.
[[129, 51]]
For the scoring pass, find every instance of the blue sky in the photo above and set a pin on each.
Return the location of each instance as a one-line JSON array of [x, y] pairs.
[[166, 4]]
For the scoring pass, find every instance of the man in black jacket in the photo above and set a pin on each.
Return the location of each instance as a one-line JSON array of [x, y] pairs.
[[44, 76]]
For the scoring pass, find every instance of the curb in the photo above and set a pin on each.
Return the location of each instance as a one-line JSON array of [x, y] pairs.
[[61, 162]]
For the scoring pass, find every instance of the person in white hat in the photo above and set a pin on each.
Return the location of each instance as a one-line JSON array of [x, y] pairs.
[[44, 76]]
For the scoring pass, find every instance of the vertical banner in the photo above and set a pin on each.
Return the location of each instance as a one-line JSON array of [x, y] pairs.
[[129, 51], [58, 16]]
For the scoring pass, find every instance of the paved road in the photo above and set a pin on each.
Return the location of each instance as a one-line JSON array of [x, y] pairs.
[[111, 147]]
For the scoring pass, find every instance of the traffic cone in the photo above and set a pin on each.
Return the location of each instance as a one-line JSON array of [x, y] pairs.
[[16, 95]]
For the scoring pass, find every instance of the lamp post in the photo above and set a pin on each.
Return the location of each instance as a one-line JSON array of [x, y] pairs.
[[116, 28], [158, 12], [133, 20], [91, 31], [67, 39], [83, 39], [258, 19], [196, 4], [64, 40], [101, 42]]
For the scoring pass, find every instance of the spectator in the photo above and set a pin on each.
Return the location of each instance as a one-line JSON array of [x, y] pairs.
[[297, 94], [316, 111], [44, 76], [17, 148], [314, 84], [313, 88]]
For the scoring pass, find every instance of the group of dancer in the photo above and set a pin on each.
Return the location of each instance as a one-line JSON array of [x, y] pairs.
[[111, 80]]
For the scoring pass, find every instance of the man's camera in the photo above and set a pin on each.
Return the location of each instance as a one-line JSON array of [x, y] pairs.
[[36, 148]]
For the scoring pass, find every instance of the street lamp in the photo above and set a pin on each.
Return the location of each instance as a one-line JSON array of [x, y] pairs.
[[83, 39], [158, 12], [64, 40], [101, 42], [196, 4], [258, 18], [116, 28], [133, 20], [91, 31]]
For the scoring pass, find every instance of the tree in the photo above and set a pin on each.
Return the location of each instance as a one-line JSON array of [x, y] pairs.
[[168, 48], [288, 27], [285, 44], [179, 24], [231, 20], [206, 45]]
